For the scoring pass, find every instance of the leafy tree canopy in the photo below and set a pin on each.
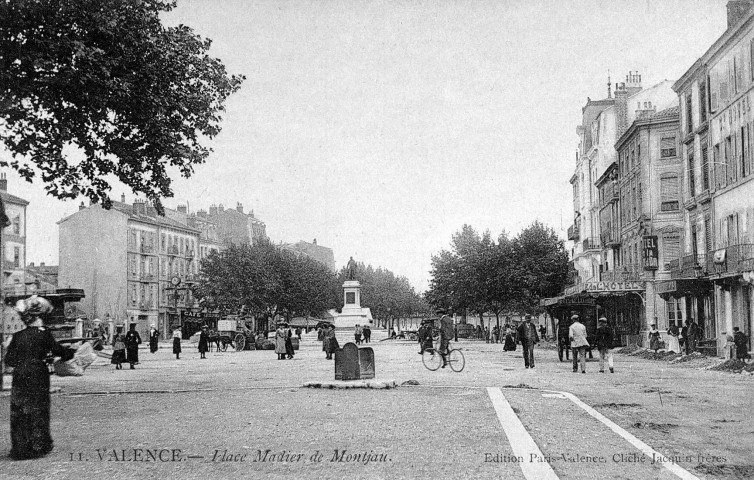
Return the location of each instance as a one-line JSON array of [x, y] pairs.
[[91, 89]]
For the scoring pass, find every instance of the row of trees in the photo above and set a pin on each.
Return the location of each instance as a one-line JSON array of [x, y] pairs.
[[264, 280], [506, 275], [390, 297]]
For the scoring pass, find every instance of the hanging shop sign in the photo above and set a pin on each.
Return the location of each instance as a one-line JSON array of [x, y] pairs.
[[650, 252]]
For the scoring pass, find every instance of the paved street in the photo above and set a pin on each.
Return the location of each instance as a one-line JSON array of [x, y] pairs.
[[245, 414]]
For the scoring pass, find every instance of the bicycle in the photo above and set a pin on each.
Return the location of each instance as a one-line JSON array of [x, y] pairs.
[[432, 359]]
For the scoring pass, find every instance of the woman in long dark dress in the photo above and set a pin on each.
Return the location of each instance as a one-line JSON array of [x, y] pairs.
[[177, 343], [289, 344], [119, 348], [133, 340], [30, 395], [203, 342], [154, 338], [510, 341]]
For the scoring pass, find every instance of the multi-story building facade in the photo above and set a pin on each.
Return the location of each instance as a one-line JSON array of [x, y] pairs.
[[715, 96], [323, 255], [650, 219], [606, 275], [235, 226], [135, 265], [14, 238]]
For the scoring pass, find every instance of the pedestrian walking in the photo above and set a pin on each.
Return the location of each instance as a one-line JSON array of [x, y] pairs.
[[604, 340], [741, 341], [543, 332], [203, 342], [119, 348], [496, 333], [289, 343], [331, 342], [683, 338], [30, 394], [510, 340], [367, 331], [527, 337], [357, 331], [564, 342], [154, 338], [654, 338], [579, 344], [177, 343], [133, 340], [298, 333], [280, 336]]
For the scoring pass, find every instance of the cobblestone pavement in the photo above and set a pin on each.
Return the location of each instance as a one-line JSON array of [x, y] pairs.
[[245, 414]]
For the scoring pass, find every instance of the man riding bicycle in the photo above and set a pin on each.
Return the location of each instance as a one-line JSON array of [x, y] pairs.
[[447, 331]]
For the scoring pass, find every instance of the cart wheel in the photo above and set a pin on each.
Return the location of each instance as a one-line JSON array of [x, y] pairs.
[[240, 342]]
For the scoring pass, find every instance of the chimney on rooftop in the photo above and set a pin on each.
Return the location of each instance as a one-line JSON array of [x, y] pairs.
[[737, 10], [201, 214], [213, 210], [633, 83], [239, 207], [3, 183], [122, 198], [82, 206], [315, 241], [31, 264], [41, 264], [182, 209], [621, 108], [220, 209]]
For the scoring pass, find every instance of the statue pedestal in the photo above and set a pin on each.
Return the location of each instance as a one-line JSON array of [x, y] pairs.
[[352, 313]]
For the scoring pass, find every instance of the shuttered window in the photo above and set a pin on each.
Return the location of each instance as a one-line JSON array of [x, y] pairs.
[[671, 247], [669, 194], [708, 236], [667, 147], [705, 166]]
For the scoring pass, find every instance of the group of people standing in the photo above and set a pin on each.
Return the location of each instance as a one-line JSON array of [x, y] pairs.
[[362, 334], [284, 341], [326, 334], [126, 347]]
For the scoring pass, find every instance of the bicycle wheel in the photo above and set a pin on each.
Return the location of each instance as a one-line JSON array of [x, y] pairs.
[[456, 360], [432, 359]]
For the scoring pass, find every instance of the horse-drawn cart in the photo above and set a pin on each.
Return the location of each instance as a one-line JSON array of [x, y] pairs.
[[232, 330]]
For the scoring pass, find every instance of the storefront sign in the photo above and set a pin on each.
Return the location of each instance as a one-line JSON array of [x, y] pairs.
[[650, 252], [605, 287]]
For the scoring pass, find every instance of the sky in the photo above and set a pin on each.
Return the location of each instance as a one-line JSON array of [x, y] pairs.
[[380, 128]]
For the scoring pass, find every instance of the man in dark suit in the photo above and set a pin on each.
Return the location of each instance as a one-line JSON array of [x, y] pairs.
[[527, 337]]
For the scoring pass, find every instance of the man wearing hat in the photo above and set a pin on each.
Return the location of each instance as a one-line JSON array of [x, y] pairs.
[[527, 336], [133, 340], [447, 330], [604, 339], [154, 338], [579, 344]]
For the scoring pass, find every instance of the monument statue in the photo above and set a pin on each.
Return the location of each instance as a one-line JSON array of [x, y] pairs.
[[351, 269]]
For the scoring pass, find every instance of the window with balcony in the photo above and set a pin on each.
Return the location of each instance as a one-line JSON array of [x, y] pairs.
[[667, 147], [669, 193], [671, 248]]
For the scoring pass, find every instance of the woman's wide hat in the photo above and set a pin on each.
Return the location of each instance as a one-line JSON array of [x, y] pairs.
[[34, 306]]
